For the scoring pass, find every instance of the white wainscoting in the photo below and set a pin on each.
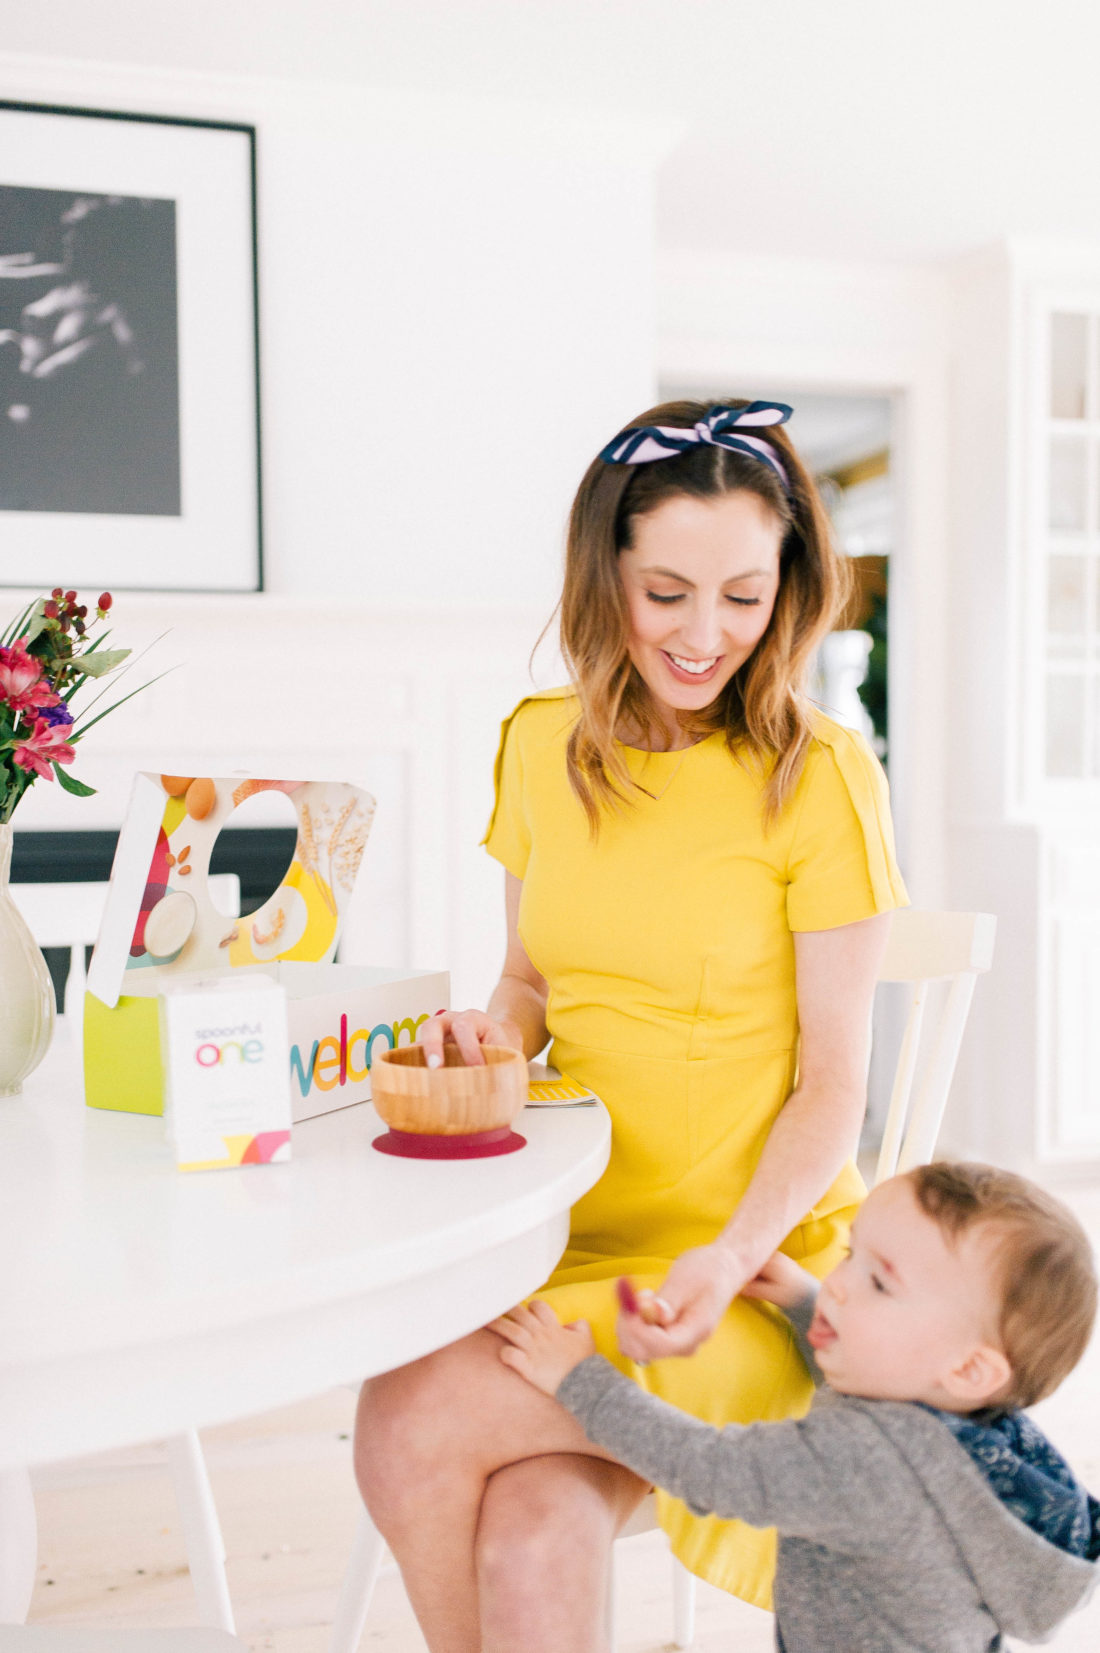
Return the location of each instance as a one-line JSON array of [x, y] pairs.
[[407, 705]]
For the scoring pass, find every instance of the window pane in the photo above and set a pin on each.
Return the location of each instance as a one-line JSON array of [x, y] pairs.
[[1067, 484], [1066, 584], [1068, 369], [1065, 725]]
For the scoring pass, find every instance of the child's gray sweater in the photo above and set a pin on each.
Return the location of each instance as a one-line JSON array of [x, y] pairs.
[[891, 1539]]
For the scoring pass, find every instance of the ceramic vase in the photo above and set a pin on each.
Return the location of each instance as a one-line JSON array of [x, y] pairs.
[[26, 990]]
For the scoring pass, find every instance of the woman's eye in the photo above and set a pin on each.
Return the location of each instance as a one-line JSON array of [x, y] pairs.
[[877, 1283], [678, 597]]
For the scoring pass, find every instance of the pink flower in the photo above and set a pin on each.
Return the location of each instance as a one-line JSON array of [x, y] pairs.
[[44, 745], [21, 682]]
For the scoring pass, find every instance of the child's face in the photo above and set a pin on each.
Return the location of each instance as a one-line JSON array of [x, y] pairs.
[[910, 1315]]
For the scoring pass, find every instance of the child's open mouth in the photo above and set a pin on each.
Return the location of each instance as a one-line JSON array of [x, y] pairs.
[[820, 1335]]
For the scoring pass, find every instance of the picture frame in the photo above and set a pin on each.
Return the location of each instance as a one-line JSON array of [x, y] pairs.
[[129, 352]]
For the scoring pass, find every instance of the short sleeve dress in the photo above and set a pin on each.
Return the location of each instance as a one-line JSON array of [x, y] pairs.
[[667, 944]]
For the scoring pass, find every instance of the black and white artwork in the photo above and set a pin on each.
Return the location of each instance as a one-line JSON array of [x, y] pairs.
[[129, 373], [89, 370]]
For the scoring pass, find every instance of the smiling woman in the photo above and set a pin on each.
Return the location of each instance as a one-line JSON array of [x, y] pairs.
[[698, 867], [721, 519]]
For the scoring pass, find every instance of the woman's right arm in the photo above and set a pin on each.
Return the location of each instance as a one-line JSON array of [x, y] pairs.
[[516, 1013]]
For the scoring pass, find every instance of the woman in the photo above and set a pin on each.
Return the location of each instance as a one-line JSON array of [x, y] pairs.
[[698, 871]]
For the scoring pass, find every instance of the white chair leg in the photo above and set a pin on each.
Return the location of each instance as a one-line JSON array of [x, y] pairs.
[[202, 1535], [356, 1591], [683, 1605], [18, 1545]]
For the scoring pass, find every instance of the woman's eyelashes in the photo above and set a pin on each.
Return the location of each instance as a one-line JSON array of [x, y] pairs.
[[678, 597]]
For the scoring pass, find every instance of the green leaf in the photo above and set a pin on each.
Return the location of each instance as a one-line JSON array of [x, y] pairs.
[[97, 663], [37, 626], [70, 783]]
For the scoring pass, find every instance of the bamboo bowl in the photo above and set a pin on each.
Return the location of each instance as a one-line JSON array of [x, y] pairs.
[[454, 1100]]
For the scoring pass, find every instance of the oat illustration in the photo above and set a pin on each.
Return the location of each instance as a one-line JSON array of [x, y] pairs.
[[308, 854]]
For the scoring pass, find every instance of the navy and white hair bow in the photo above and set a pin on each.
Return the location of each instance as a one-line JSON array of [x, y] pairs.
[[722, 427]]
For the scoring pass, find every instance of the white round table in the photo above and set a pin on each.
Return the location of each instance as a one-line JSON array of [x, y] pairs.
[[139, 1302]]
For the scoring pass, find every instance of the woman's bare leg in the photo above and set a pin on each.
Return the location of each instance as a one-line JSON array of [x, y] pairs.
[[428, 1438], [543, 1552]]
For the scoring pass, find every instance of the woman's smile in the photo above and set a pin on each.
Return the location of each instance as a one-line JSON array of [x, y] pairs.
[[691, 671]]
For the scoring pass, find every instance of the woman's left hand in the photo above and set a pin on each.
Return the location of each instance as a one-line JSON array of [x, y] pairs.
[[697, 1291]]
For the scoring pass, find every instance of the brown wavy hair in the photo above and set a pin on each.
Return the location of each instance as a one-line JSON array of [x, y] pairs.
[[1042, 1262], [762, 710]]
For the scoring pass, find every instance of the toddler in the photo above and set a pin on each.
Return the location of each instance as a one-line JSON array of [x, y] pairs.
[[918, 1507]]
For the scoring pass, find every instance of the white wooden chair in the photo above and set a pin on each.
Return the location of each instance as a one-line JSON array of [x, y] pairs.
[[68, 915], [923, 948]]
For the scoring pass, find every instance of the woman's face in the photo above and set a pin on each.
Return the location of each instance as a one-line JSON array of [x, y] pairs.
[[700, 580]]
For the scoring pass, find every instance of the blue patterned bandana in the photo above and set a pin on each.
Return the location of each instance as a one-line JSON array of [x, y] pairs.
[[723, 427], [1029, 1477]]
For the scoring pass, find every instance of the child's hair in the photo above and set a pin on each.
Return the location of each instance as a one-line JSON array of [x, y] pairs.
[[1044, 1268], [762, 706]]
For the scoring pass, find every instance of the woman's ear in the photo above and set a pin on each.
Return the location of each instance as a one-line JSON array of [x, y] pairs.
[[975, 1380]]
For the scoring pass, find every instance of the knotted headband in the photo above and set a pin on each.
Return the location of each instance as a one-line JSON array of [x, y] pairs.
[[723, 427]]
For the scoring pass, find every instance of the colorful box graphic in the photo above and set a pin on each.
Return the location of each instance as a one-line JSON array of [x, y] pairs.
[[160, 926]]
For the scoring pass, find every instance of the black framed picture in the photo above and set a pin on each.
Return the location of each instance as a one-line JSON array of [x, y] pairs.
[[129, 362]]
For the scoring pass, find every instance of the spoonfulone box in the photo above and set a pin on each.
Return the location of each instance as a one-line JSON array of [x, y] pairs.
[[224, 1044], [160, 925]]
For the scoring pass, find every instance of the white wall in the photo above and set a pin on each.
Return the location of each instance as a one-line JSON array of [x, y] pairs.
[[457, 309]]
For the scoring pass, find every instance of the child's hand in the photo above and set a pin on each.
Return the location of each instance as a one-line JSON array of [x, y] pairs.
[[781, 1281], [539, 1348]]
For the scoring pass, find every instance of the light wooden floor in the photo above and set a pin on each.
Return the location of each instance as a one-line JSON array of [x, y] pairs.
[[111, 1553]]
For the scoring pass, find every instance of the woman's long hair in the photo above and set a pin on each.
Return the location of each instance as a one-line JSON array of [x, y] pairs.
[[762, 710]]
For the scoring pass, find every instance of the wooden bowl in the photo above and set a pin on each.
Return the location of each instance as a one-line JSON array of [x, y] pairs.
[[454, 1100]]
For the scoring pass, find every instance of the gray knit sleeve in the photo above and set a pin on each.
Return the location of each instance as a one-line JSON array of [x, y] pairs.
[[795, 1475]]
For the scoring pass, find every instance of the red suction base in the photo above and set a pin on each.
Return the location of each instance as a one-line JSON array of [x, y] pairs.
[[475, 1145]]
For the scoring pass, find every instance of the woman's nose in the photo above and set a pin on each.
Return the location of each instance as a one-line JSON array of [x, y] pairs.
[[701, 630]]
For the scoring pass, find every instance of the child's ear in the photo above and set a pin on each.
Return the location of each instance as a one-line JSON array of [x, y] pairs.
[[975, 1380]]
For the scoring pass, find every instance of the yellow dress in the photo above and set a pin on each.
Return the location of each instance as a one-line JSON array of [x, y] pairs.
[[667, 946]]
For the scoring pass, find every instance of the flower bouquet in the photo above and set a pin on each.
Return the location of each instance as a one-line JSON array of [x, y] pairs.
[[45, 658], [47, 655]]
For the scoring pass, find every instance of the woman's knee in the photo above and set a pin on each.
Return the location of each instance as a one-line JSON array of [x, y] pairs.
[[397, 1427], [546, 1518]]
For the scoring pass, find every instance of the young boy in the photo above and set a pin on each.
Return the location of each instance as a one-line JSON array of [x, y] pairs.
[[918, 1508]]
